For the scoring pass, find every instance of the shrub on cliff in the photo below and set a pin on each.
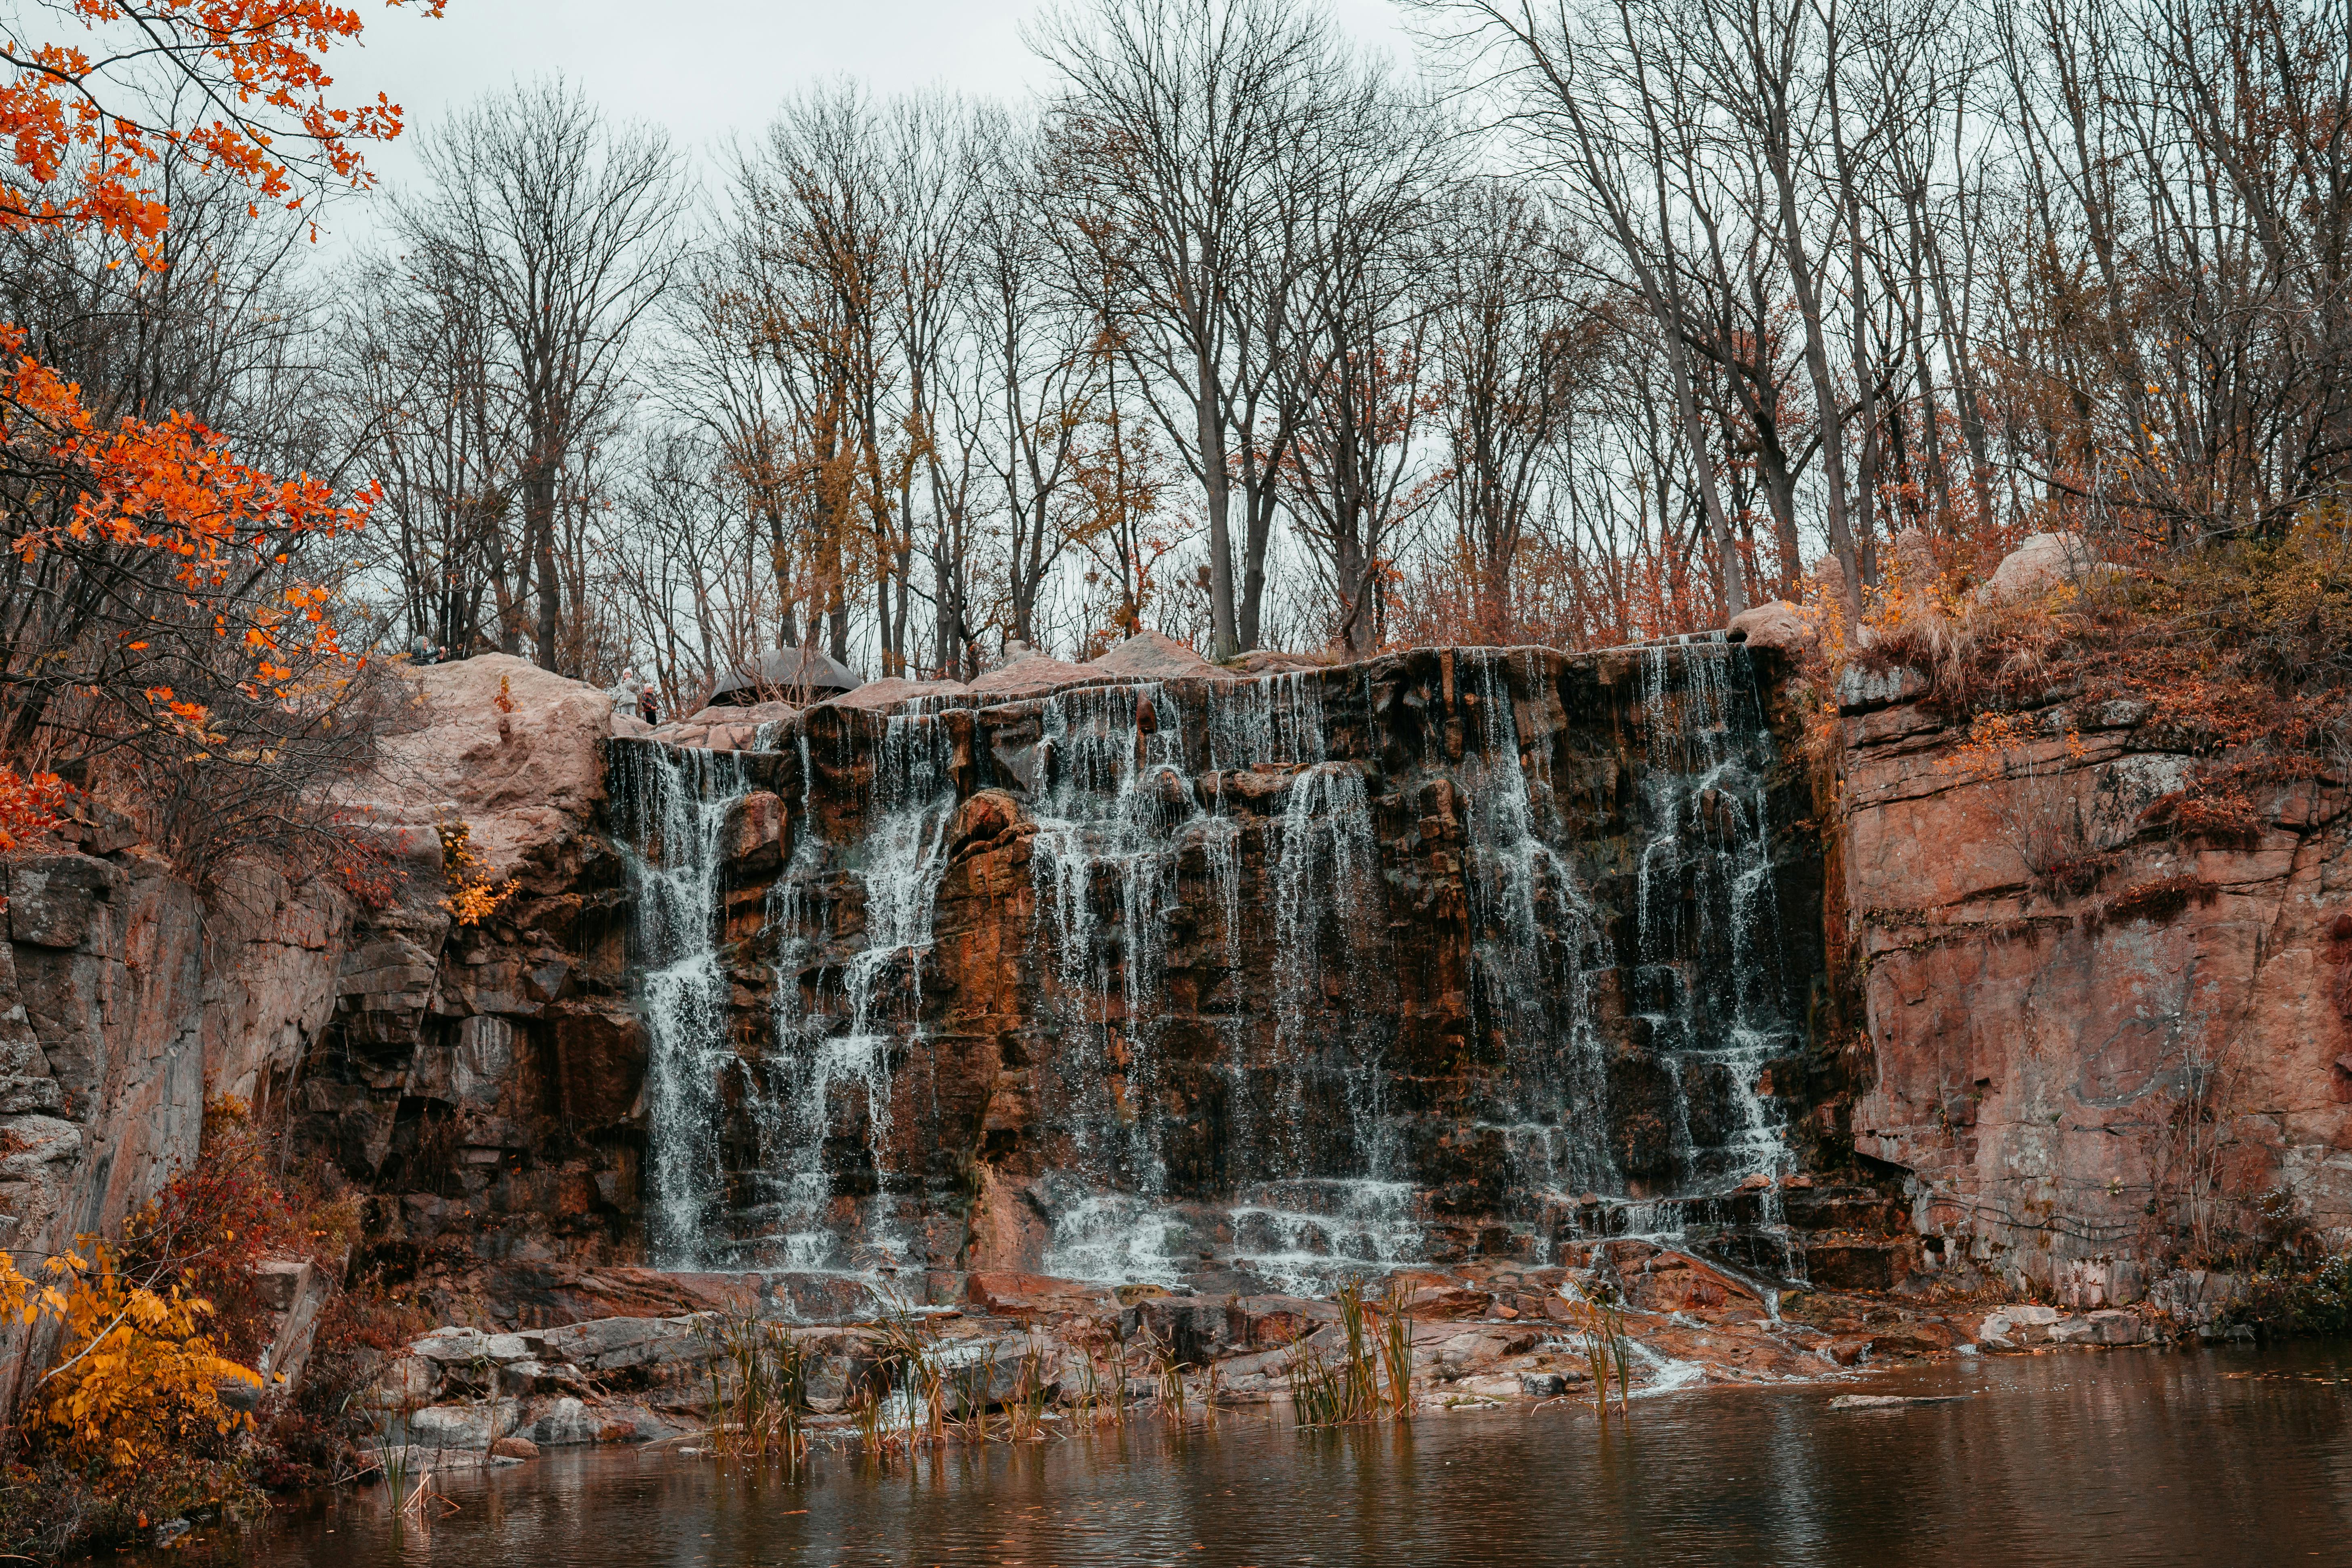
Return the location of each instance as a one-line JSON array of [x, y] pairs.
[[241, 1201], [314, 1439], [2241, 649], [2300, 1296]]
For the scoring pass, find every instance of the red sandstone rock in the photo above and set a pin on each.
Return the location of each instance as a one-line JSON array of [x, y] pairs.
[[1439, 1303], [519, 778], [2023, 1047], [754, 834], [1677, 1282], [1009, 1295]]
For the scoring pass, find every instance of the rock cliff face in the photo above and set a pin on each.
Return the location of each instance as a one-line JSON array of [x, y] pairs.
[[1150, 972], [2094, 1019], [1447, 955], [126, 1001]]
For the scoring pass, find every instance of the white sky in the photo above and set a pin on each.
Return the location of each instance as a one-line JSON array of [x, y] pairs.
[[709, 68]]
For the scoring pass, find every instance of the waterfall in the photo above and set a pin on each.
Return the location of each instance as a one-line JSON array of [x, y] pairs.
[[833, 1058], [672, 808], [1536, 945], [1111, 806], [1322, 973], [1327, 852], [1705, 893]]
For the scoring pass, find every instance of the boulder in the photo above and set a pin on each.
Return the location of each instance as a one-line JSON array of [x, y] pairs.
[[1442, 1303], [472, 1427], [452, 1346], [2043, 562], [1153, 655], [1273, 661], [611, 1344], [2019, 1325], [751, 713], [408, 1381], [1677, 1282], [560, 1423], [981, 1375], [1004, 1294], [520, 776], [1780, 625]]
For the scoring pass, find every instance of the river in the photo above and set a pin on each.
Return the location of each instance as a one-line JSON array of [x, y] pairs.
[[2135, 1457]]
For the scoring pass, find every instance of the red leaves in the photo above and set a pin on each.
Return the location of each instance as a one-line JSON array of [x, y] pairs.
[[29, 807]]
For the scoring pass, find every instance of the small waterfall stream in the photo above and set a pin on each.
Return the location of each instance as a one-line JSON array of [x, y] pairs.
[[672, 808], [1320, 972]]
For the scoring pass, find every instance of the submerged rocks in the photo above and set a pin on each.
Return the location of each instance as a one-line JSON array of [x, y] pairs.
[[2022, 1327]]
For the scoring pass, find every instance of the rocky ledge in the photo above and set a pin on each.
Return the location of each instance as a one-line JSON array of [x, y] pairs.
[[1482, 1336]]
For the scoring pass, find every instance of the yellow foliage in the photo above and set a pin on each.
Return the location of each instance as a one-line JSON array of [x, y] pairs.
[[474, 897], [140, 1378]]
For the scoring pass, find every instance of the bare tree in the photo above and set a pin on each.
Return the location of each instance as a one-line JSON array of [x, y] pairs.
[[1176, 122], [566, 228]]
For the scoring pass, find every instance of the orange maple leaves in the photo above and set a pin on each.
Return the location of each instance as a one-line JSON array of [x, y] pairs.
[[168, 484], [74, 117], [28, 808], [254, 63]]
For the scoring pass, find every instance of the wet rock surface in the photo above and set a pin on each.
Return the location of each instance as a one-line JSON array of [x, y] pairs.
[[1231, 982], [1479, 1336]]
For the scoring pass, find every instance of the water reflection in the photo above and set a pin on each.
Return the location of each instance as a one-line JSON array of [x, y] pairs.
[[2128, 1457]]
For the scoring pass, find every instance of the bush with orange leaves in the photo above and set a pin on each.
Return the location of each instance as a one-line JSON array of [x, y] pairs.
[[130, 1424], [475, 893], [168, 634], [2240, 653]]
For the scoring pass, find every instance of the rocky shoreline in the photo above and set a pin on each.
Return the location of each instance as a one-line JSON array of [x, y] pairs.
[[1482, 1337]]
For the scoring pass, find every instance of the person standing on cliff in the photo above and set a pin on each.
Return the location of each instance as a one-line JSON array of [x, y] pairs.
[[649, 704]]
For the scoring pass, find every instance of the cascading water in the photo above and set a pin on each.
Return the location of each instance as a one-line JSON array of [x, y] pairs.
[[672, 808], [1706, 889], [835, 1047], [1319, 972], [1537, 943]]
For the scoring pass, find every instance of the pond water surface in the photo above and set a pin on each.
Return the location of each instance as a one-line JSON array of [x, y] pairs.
[[2130, 1457]]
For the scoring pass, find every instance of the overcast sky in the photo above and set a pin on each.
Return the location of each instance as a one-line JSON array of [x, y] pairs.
[[708, 69]]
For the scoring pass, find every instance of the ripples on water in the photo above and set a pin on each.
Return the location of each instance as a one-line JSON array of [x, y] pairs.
[[2127, 1458]]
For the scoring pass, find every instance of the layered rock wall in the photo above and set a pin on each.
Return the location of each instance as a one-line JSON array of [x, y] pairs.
[[1447, 955], [2100, 1028]]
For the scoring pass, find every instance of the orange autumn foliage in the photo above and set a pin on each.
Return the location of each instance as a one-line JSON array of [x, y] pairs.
[[28, 807], [85, 116], [255, 62]]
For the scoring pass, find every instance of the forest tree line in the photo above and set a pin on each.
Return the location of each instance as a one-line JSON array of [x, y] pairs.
[[1604, 318]]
